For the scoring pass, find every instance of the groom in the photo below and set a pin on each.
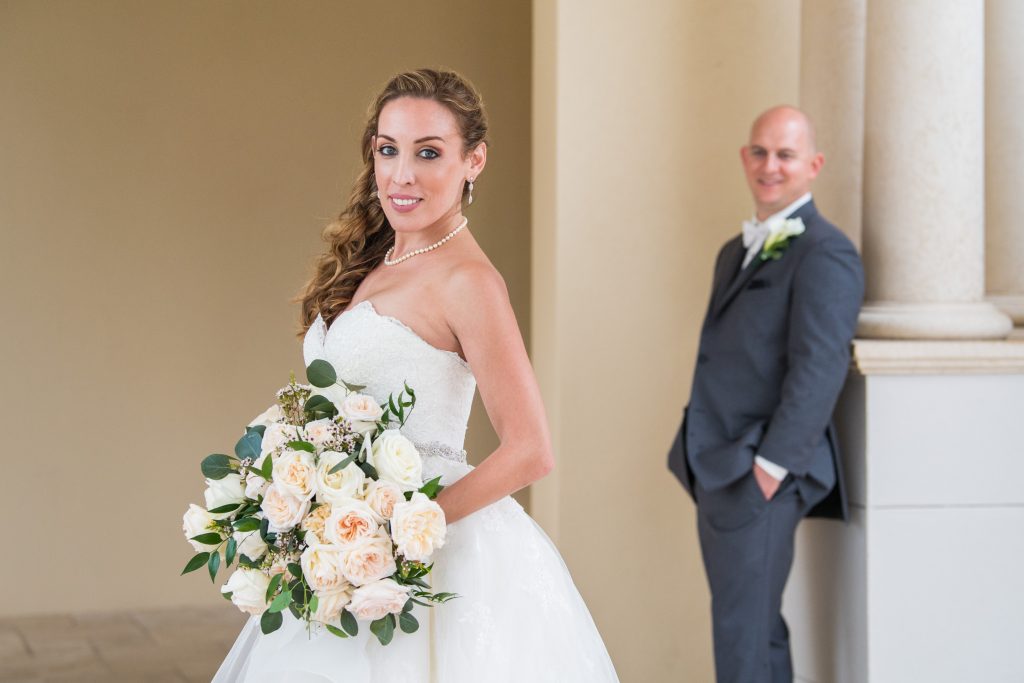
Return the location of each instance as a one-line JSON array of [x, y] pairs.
[[757, 449]]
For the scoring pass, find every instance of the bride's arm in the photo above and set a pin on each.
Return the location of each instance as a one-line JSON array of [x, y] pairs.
[[478, 310]]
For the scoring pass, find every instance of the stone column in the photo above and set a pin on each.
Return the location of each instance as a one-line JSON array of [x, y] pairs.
[[924, 192], [1004, 156], [832, 93]]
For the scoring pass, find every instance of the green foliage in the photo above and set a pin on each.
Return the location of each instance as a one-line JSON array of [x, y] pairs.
[[195, 563], [349, 623], [217, 466], [249, 446], [383, 628], [213, 565], [301, 446], [408, 622], [321, 374], [432, 488], [342, 465], [271, 621], [210, 538]]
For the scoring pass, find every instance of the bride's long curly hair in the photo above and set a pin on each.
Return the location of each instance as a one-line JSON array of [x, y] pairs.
[[359, 238]]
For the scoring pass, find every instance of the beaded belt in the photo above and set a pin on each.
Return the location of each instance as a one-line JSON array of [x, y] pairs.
[[441, 450]]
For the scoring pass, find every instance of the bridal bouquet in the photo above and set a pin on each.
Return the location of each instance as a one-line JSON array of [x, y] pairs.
[[324, 510]]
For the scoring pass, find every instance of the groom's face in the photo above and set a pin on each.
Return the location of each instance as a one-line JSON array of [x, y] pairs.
[[780, 161]]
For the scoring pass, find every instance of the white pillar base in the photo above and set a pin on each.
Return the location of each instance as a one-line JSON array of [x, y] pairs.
[[1010, 304], [891, 320], [923, 584]]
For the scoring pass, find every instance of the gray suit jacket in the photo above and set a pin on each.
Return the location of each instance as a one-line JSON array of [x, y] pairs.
[[774, 353]]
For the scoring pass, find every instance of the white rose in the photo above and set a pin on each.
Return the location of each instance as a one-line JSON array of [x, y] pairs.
[[248, 588], [418, 527], [396, 459], [335, 393], [197, 521], [283, 511], [255, 485], [382, 495], [268, 417], [378, 599], [321, 432], [277, 435], [223, 492], [349, 521], [329, 605], [250, 544], [362, 411], [348, 483], [321, 565], [295, 474], [368, 559]]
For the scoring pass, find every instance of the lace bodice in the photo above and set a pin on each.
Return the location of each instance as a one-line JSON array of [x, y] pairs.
[[382, 353]]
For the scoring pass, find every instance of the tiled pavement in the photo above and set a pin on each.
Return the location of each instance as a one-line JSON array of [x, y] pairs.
[[183, 645]]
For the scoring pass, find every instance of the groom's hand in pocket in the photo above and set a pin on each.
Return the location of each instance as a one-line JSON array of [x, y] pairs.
[[767, 483]]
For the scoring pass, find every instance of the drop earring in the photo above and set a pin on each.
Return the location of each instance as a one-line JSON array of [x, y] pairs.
[[469, 198]]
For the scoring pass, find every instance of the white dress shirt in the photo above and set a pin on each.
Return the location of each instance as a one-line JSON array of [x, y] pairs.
[[773, 224]]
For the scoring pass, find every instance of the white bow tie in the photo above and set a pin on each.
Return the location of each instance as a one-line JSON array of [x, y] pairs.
[[754, 231]]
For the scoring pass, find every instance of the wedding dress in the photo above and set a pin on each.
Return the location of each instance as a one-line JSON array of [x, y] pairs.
[[519, 617]]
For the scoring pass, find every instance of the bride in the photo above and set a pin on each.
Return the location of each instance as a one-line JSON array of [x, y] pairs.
[[405, 294]]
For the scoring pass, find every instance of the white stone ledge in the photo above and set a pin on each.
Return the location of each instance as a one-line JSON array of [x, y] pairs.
[[899, 357]]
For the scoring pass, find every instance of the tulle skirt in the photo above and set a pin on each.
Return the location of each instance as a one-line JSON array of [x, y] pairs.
[[519, 618]]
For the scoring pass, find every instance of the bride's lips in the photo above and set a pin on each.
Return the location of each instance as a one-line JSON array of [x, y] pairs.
[[403, 203]]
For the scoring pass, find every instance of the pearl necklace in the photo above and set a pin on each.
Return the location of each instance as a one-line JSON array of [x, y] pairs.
[[424, 250]]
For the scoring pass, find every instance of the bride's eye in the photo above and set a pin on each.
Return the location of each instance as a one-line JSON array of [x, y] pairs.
[[427, 153], [387, 150]]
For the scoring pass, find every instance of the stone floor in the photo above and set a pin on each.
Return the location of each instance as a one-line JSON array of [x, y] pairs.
[[183, 645]]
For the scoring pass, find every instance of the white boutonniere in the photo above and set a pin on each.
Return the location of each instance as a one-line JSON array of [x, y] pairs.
[[779, 239]]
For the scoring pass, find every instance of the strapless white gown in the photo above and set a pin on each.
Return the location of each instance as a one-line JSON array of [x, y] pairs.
[[519, 619]]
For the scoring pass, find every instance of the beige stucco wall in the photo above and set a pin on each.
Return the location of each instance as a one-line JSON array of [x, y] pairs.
[[639, 113], [165, 170]]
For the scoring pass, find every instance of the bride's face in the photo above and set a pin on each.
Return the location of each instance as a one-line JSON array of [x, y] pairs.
[[419, 164]]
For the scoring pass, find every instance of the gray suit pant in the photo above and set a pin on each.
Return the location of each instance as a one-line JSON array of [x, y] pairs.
[[747, 544]]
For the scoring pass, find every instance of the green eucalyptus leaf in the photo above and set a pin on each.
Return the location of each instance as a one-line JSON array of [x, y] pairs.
[[336, 631], [260, 429], [408, 622], [275, 582], [195, 563], [383, 628], [280, 602], [271, 621], [249, 446], [349, 623], [321, 374], [408, 605], [216, 466], [353, 387], [314, 602], [369, 470]]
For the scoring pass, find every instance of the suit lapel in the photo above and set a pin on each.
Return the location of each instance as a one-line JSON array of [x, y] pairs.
[[738, 282], [727, 268], [727, 293]]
